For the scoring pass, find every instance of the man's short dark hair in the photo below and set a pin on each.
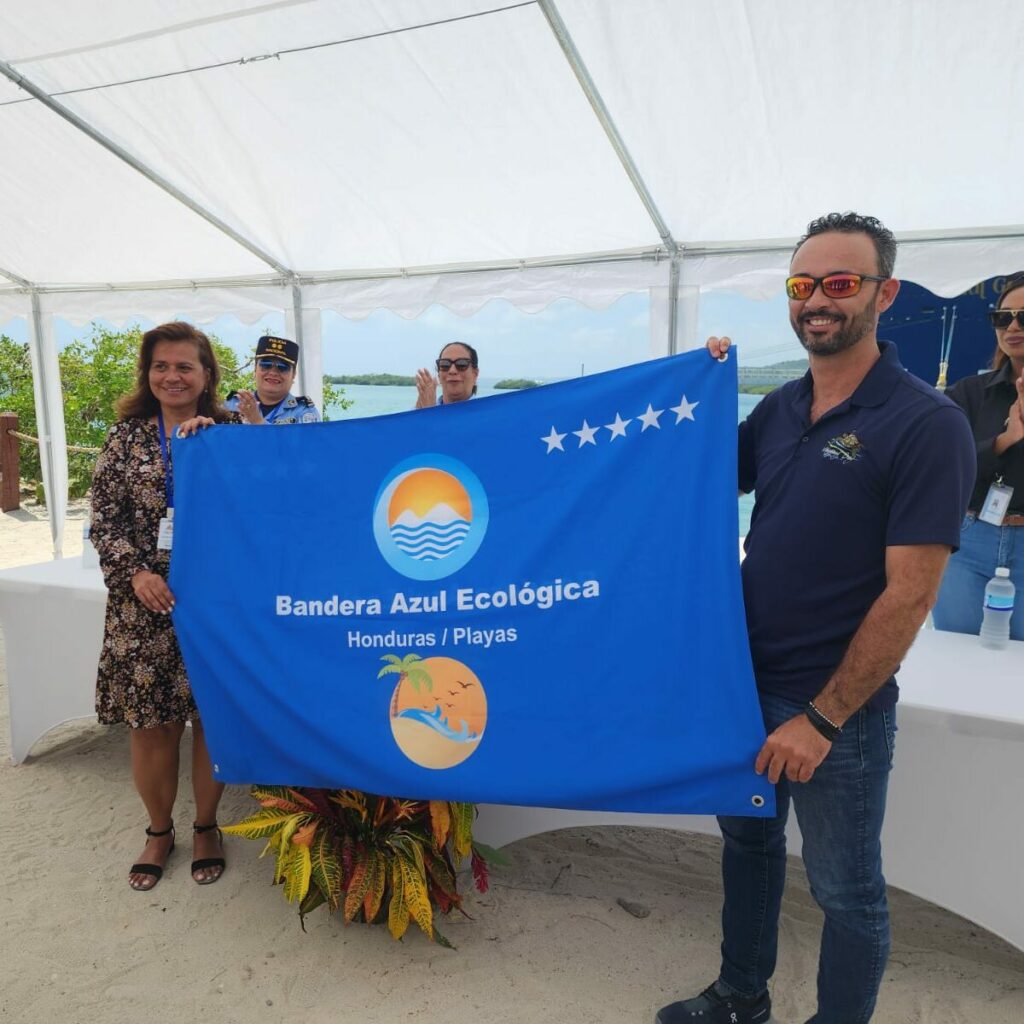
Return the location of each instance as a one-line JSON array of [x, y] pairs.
[[854, 223]]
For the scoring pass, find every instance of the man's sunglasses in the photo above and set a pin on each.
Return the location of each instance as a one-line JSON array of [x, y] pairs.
[[1002, 318], [273, 364], [835, 286], [444, 365]]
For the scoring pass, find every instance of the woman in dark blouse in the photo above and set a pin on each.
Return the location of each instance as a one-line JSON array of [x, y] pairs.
[[994, 403], [141, 680]]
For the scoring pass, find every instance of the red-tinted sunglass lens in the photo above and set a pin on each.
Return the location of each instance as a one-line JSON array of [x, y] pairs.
[[800, 288], [841, 286]]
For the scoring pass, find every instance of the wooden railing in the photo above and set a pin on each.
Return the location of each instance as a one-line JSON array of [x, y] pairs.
[[10, 460]]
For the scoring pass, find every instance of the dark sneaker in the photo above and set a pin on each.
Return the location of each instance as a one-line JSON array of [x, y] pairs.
[[716, 1006]]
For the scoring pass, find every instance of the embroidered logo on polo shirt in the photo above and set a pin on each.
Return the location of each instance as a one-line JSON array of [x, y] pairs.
[[844, 448]]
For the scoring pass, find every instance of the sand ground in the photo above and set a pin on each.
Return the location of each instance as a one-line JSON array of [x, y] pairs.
[[549, 943]]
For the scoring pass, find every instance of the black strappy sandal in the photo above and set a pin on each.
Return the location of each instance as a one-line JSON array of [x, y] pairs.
[[155, 870], [208, 862]]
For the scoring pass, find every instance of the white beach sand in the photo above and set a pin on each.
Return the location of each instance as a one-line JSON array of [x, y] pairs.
[[548, 943]]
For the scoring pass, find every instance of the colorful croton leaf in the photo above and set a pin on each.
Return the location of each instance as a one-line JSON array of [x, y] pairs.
[[369, 857]]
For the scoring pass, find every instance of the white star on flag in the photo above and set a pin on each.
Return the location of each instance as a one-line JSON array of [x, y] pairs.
[[553, 441], [650, 418], [586, 434], [684, 410], [618, 428]]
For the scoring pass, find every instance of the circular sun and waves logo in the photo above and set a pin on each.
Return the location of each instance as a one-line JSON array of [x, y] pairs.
[[438, 709], [429, 517]]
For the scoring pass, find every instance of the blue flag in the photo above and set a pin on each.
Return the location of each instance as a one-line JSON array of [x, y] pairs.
[[530, 599]]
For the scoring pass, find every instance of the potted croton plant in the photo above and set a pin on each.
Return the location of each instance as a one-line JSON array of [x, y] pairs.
[[372, 858]]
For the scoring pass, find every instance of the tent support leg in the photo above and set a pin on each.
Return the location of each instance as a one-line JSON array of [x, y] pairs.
[[44, 366], [673, 307]]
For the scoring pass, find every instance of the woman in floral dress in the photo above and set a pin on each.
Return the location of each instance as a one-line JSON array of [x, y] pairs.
[[142, 680]]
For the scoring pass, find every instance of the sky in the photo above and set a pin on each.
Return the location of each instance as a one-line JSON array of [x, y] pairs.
[[561, 341]]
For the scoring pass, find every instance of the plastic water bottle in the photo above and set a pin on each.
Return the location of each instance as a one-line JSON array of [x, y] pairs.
[[995, 626], [90, 560]]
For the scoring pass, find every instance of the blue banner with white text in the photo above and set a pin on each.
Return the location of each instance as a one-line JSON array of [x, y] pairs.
[[532, 598]]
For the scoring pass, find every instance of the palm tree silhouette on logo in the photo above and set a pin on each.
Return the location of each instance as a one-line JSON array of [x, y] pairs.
[[406, 669]]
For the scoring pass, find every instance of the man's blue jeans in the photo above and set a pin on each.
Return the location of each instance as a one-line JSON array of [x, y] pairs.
[[840, 814], [983, 548]]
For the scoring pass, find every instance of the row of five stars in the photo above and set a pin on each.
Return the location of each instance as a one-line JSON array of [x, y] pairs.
[[683, 411]]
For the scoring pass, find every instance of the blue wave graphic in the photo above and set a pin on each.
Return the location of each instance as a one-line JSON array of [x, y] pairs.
[[431, 529], [439, 724], [430, 541]]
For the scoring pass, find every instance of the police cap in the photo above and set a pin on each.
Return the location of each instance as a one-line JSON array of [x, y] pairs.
[[279, 348]]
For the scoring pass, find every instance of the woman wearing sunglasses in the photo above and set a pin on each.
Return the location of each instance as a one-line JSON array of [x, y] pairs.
[[273, 402], [993, 530], [457, 371]]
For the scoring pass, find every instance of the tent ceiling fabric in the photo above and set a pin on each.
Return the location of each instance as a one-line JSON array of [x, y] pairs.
[[748, 119], [460, 142], [353, 137]]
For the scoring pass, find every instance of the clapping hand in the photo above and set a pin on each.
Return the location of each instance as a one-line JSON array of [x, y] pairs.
[[249, 408], [426, 388], [1014, 432]]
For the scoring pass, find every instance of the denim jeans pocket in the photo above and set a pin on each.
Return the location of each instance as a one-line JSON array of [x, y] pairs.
[[889, 731]]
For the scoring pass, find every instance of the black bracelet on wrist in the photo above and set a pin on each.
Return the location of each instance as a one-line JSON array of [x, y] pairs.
[[822, 723]]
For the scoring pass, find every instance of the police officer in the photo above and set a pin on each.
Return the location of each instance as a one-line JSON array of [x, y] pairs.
[[273, 402]]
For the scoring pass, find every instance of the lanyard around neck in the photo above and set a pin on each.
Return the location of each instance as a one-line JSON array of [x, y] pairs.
[[165, 454]]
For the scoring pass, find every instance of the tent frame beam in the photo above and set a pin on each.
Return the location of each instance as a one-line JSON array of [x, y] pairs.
[[136, 164], [590, 90], [385, 274], [19, 281]]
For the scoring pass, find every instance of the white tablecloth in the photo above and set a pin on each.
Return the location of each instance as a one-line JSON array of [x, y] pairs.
[[52, 617]]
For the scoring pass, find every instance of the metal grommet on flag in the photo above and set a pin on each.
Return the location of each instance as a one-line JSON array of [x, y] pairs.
[[757, 800]]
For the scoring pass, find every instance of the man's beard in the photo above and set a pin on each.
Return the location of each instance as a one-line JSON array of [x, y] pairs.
[[845, 336]]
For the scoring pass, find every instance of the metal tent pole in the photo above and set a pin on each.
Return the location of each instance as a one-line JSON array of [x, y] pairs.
[[299, 334], [11, 276], [43, 369], [47, 425], [134, 162], [587, 84], [601, 110], [673, 306]]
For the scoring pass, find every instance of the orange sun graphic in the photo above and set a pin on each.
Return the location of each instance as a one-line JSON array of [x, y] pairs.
[[423, 489]]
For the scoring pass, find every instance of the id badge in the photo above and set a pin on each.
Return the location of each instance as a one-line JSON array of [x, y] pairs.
[[165, 536], [997, 501]]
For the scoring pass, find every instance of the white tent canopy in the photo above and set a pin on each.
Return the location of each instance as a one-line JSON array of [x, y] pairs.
[[197, 157]]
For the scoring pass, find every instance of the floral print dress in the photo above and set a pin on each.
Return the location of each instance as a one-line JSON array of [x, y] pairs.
[[141, 680]]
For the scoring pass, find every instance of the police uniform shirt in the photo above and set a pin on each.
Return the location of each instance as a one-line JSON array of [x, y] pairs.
[[291, 409]]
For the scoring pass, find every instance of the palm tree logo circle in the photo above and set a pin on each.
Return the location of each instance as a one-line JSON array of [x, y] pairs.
[[438, 710], [429, 516]]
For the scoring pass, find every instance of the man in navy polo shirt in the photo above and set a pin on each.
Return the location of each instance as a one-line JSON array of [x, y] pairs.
[[861, 474]]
